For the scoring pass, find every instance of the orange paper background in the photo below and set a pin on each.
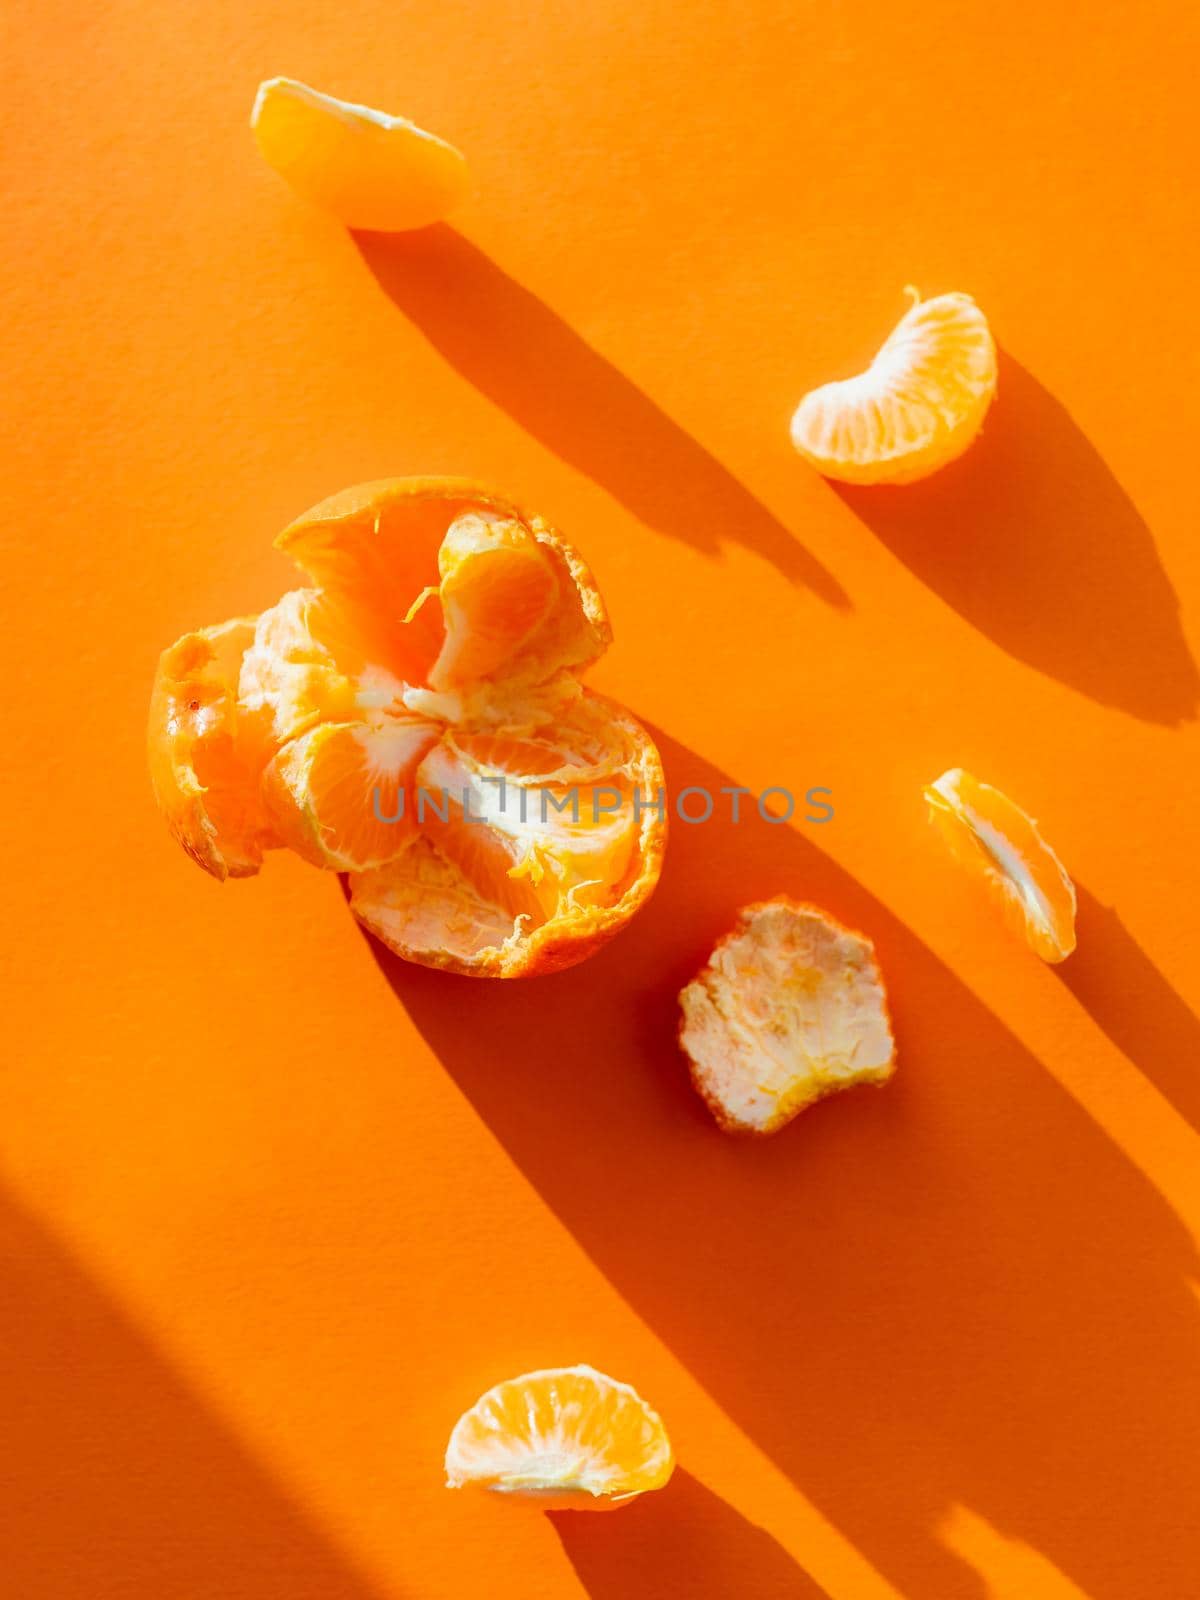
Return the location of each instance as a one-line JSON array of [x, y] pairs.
[[274, 1209]]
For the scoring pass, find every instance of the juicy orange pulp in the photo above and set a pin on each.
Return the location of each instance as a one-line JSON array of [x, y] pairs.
[[369, 169], [414, 717], [317, 784], [917, 406], [996, 840], [205, 754], [790, 1007], [566, 1439]]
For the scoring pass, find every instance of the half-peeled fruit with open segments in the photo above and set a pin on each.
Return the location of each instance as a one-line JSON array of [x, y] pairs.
[[917, 406], [991, 836], [414, 717], [790, 1007], [564, 1439]]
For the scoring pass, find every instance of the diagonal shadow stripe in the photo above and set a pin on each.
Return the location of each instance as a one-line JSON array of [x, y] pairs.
[[116, 1479], [531, 363], [954, 1291]]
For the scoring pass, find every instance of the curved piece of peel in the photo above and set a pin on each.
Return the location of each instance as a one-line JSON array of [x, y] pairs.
[[369, 169], [789, 1008], [997, 841], [917, 406], [563, 1439]]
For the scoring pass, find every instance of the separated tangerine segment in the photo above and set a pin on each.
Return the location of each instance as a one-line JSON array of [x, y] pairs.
[[369, 169], [917, 406], [563, 1439], [991, 836]]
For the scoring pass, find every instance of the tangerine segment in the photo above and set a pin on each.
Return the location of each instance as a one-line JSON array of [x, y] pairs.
[[500, 889], [369, 169], [917, 406], [300, 668], [565, 1439], [314, 660], [574, 745], [497, 587], [988, 833], [790, 1007], [565, 844], [342, 795], [205, 758]]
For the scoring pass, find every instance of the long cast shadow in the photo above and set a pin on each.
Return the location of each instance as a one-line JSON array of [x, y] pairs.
[[532, 364], [956, 1291], [1033, 541], [683, 1543], [116, 1481], [1127, 996]]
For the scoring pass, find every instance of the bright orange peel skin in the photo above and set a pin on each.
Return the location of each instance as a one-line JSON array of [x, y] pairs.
[[414, 718], [562, 1439], [917, 406], [997, 841], [790, 1007], [368, 169]]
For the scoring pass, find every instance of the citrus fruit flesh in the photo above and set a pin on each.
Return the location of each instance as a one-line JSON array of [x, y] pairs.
[[790, 1007], [414, 717], [563, 1439], [997, 841], [369, 169], [917, 406], [205, 755], [315, 786]]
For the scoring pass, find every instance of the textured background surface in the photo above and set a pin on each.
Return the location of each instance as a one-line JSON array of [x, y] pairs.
[[274, 1213]]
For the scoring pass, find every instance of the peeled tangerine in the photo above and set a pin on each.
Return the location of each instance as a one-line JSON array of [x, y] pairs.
[[789, 1008], [566, 1439], [369, 169], [995, 839], [917, 406], [414, 717]]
